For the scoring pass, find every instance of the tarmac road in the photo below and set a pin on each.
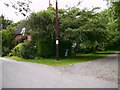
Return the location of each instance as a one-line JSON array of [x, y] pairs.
[[29, 75]]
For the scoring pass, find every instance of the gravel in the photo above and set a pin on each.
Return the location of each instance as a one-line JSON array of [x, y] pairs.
[[105, 68]]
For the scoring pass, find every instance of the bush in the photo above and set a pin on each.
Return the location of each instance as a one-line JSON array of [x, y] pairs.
[[45, 48], [5, 51], [8, 38], [30, 50], [24, 50], [19, 50], [114, 45], [65, 44], [48, 48]]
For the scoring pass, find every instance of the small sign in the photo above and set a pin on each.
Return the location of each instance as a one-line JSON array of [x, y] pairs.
[[57, 41]]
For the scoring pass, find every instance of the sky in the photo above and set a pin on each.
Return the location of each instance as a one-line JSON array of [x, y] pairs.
[[38, 5]]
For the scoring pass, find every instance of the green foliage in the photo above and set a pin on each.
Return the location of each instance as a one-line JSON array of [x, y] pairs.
[[91, 29], [42, 26], [24, 50], [64, 45], [5, 22], [18, 50], [80, 31], [113, 26], [8, 37]]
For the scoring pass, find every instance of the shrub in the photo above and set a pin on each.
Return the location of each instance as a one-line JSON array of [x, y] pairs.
[[45, 48], [19, 50], [65, 44], [8, 38], [24, 50]]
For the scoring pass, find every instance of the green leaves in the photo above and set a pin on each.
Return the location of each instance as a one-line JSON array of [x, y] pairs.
[[42, 26], [90, 28], [85, 27], [8, 40]]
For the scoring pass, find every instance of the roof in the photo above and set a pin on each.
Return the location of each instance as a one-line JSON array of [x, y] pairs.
[[19, 29]]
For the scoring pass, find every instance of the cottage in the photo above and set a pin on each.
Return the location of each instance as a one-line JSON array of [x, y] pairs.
[[21, 32]]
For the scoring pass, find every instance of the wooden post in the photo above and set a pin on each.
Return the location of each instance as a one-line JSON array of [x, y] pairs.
[[57, 33]]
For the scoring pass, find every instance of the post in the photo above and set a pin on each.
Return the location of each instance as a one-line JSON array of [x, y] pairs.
[[57, 33], [49, 3]]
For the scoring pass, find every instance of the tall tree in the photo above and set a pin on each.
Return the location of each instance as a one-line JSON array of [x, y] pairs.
[[42, 29], [4, 23], [114, 22], [86, 27]]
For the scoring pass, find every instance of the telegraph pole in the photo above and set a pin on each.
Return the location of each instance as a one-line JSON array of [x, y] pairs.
[[49, 3], [57, 32]]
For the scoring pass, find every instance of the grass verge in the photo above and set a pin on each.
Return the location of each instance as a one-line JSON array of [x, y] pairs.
[[67, 61]]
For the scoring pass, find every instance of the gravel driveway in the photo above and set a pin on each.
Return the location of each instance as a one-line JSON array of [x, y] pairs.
[[105, 68]]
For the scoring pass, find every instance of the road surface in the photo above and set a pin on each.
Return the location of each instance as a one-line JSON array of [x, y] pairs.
[[30, 75]]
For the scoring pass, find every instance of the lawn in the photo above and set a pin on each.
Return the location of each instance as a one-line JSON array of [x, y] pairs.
[[66, 61]]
